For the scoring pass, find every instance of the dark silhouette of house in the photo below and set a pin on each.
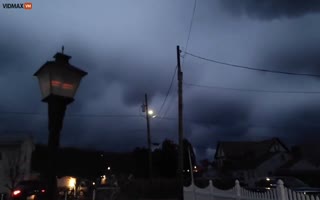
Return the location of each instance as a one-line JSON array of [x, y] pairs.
[[248, 160]]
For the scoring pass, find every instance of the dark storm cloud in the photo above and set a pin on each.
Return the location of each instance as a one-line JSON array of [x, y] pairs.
[[271, 9], [300, 56], [215, 116], [129, 55], [220, 110], [302, 124], [12, 53]]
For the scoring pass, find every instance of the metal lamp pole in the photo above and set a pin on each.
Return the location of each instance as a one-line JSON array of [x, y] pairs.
[[56, 111]]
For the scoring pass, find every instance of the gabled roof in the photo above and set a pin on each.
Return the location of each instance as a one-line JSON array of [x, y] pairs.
[[237, 149]]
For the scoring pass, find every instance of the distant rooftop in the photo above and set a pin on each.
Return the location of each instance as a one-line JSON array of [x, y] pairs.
[[239, 148], [13, 139]]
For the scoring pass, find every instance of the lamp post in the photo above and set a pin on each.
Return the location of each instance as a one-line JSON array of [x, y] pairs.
[[59, 82], [149, 113]]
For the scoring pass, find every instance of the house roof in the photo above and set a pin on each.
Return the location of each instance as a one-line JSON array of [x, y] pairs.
[[247, 148], [289, 164], [247, 154]]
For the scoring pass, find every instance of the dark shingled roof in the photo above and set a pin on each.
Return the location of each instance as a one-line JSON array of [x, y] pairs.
[[247, 154]]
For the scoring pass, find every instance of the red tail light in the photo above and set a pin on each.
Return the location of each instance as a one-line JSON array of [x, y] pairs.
[[16, 192]]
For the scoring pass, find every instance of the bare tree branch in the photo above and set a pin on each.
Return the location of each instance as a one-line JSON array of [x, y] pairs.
[[14, 168]]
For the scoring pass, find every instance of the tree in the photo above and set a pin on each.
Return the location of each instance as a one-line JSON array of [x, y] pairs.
[[14, 168], [140, 162], [169, 158], [165, 160], [186, 147]]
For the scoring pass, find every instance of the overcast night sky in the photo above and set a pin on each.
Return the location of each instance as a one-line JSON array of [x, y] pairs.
[[128, 48]]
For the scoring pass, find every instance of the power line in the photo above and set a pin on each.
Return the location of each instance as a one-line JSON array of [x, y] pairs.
[[251, 68], [168, 92], [90, 115], [191, 23], [252, 90], [71, 115], [170, 105], [165, 118], [81, 115]]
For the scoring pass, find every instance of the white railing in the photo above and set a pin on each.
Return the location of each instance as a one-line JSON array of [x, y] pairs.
[[193, 192]]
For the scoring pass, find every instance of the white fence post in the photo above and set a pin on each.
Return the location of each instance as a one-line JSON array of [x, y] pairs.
[[94, 195], [194, 192], [211, 190], [281, 190], [238, 190]]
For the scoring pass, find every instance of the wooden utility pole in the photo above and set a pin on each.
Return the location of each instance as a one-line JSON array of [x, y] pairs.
[[148, 136], [180, 111]]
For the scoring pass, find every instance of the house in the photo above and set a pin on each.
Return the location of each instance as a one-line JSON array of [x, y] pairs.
[[15, 160], [248, 160], [305, 164]]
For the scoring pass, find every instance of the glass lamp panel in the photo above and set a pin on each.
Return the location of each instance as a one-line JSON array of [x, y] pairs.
[[44, 82], [64, 82]]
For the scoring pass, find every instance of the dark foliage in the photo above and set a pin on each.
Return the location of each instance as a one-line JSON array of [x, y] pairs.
[[92, 164]]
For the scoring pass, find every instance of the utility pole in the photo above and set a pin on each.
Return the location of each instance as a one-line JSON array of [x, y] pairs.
[[148, 136], [180, 116]]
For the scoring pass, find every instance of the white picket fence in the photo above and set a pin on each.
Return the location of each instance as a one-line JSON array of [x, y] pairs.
[[192, 192]]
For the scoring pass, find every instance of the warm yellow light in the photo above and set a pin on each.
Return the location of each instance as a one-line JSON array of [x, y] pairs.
[[72, 182], [150, 112], [67, 86], [55, 83], [103, 179]]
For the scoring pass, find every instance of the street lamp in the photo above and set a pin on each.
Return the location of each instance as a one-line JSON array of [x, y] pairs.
[[149, 113], [59, 82]]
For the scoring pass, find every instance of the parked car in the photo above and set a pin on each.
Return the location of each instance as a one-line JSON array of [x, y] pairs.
[[267, 183], [28, 190]]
